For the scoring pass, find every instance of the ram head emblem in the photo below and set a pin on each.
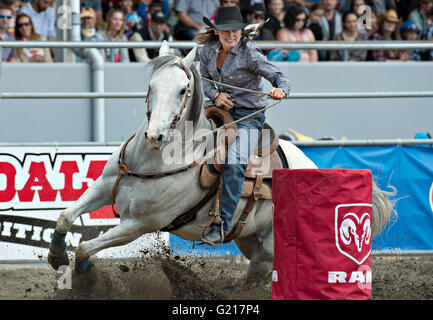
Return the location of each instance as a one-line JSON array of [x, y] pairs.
[[358, 230]]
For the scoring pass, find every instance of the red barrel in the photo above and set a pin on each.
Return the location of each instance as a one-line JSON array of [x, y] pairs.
[[322, 234]]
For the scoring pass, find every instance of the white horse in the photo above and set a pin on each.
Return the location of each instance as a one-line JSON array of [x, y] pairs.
[[149, 205]]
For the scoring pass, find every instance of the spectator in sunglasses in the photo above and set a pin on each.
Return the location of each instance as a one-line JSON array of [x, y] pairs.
[[88, 23], [8, 54], [15, 6], [96, 7], [24, 31], [43, 17]]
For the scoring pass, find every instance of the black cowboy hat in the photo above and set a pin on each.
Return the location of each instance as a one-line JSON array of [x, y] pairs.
[[228, 18]]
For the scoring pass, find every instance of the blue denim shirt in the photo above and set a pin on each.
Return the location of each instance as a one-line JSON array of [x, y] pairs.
[[244, 67]]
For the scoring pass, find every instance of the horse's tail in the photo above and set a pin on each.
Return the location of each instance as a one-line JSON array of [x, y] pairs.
[[383, 208]]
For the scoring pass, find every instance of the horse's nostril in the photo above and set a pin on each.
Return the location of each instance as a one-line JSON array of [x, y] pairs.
[[152, 136]]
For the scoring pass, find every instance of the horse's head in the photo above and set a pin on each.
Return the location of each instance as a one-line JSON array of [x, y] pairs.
[[170, 89]]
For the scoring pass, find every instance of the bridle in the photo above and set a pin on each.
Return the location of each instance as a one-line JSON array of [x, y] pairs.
[[188, 94]]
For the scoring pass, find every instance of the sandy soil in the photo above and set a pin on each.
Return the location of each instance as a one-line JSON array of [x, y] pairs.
[[199, 278]]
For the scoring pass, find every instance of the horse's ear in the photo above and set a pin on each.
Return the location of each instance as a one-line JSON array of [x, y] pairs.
[[189, 59], [164, 49], [253, 29]]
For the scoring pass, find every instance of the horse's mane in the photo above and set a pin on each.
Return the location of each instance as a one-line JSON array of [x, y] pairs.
[[197, 97], [162, 61]]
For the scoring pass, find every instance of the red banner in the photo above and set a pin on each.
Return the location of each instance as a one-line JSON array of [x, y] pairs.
[[322, 234]]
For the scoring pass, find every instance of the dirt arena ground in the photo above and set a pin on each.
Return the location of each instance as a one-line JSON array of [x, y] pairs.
[[199, 278]]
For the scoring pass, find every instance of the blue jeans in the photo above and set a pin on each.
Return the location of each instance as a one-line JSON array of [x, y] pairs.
[[237, 161]]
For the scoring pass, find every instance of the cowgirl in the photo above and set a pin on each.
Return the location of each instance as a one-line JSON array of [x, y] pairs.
[[228, 56]]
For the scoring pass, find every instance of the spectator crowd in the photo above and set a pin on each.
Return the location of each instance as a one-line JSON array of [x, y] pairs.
[[280, 20]]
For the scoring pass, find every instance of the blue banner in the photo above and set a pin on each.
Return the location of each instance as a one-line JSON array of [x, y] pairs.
[[409, 169]]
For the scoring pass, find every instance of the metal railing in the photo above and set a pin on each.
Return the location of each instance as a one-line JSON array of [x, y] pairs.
[[364, 142], [142, 95], [327, 45], [316, 143], [266, 45]]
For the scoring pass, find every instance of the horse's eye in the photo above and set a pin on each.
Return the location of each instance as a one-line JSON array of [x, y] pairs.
[[182, 92]]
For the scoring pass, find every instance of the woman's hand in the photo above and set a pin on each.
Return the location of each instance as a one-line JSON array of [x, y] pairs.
[[222, 101], [277, 94]]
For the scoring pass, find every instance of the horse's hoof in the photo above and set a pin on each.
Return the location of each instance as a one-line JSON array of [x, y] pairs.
[[86, 274], [57, 255], [56, 260]]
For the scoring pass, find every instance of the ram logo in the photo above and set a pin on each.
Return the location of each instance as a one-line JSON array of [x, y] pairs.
[[350, 230], [353, 230]]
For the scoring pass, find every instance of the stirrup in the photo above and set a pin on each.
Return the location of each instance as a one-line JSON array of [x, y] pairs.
[[213, 215], [214, 244]]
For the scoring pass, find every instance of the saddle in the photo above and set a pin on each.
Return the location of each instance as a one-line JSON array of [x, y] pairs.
[[258, 176]]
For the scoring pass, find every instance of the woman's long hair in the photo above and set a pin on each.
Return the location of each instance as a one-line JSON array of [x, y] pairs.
[[19, 35], [108, 21], [395, 35]]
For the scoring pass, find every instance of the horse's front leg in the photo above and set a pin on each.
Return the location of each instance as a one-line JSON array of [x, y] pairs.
[[94, 198], [127, 231]]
